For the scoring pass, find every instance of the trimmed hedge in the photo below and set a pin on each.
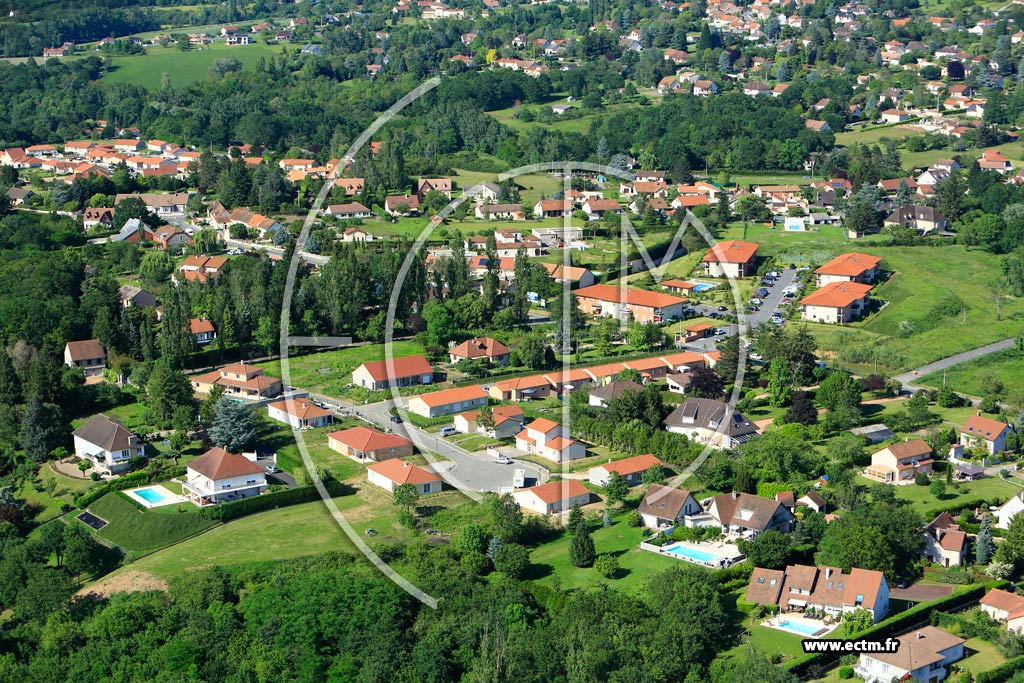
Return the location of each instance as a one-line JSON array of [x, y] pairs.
[[959, 505], [270, 501], [1001, 673], [127, 481], [896, 624]]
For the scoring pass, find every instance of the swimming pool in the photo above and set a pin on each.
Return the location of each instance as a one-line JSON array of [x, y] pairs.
[[702, 288], [151, 496], [691, 553], [800, 627]]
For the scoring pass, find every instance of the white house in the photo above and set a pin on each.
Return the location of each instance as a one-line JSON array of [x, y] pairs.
[[827, 589], [665, 506], [87, 354], [392, 473], [1009, 510], [1004, 606], [985, 432], [924, 655], [945, 542], [553, 497], [836, 302], [631, 469], [506, 422], [202, 330], [407, 371], [107, 444], [711, 422], [299, 413], [217, 476], [549, 440], [748, 515]]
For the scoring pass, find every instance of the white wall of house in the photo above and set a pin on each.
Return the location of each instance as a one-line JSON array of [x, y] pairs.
[[528, 500], [294, 421], [231, 487], [390, 486], [113, 462]]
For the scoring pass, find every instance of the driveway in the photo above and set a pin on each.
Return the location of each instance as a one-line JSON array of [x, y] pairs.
[[921, 592], [912, 376]]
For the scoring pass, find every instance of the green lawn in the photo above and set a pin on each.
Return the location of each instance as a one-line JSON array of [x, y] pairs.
[[977, 377], [136, 531], [922, 499], [870, 135], [56, 490], [552, 559], [181, 67], [980, 655], [279, 438]]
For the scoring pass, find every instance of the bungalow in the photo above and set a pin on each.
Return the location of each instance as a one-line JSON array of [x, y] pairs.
[[19, 195], [448, 402], [238, 380], [217, 476], [575, 275], [812, 500], [200, 268], [169, 236], [895, 115], [696, 332], [107, 444], [549, 440], [88, 354], [850, 267], [553, 208], [600, 396], [390, 474], [984, 432], [299, 413], [599, 208], [403, 372], [355, 234], [900, 462], [553, 497], [827, 589], [404, 205], [749, 515], [492, 350], [817, 126], [135, 296], [517, 389], [678, 286], [710, 422], [945, 542], [923, 655], [366, 444], [755, 88], [202, 331], [160, 204], [630, 469], [731, 258], [349, 210], [505, 422], [511, 212], [666, 506], [622, 303], [1004, 606], [836, 302]]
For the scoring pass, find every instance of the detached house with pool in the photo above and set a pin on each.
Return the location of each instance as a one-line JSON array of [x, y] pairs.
[[217, 476]]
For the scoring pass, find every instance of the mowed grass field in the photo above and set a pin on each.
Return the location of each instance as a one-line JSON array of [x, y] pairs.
[[136, 531], [978, 377], [182, 67]]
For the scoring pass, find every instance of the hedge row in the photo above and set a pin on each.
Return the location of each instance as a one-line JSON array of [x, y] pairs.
[[1001, 673], [896, 624], [271, 501], [127, 481], [959, 505]]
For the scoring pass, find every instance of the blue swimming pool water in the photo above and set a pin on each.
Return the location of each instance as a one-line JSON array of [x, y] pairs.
[[702, 288], [692, 553], [151, 496], [806, 629]]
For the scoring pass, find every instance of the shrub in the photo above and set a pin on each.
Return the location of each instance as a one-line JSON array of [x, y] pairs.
[[475, 563], [512, 560], [634, 519], [845, 672], [607, 566]]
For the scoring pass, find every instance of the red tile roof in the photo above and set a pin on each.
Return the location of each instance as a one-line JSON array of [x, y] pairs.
[[985, 427], [851, 264], [367, 439], [731, 251], [631, 296], [440, 398], [302, 408], [407, 366], [552, 492], [217, 464], [402, 472], [837, 294], [638, 463]]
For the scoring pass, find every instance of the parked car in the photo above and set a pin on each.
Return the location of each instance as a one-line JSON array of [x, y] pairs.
[[756, 357], [272, 469], [397, 419], [762, 292], [712, 314], [756, 302], [792, 266], [503, 460], [721, 330], [723, 308]]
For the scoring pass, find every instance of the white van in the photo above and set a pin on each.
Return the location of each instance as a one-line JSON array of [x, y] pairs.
[[448, 431]]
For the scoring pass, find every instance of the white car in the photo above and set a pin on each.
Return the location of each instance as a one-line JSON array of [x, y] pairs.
[[502, 460]]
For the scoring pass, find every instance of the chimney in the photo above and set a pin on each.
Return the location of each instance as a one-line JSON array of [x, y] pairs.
[[735, 495], [919, 635], [828, 572]]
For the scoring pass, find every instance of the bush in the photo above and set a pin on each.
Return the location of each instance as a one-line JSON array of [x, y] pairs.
[[845, 672], [607, 566], [512, 560], [475, 563], [634, 519]]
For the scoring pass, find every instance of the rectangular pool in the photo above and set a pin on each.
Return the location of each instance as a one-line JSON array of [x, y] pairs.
[[692, 553], [702, 288], [152, 496], [800, 627], [155, 495]]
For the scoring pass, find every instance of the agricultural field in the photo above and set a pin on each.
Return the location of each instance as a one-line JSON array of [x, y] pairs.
[[182, 67]]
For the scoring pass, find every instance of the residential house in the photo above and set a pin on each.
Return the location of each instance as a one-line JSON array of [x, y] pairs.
[[87, 354], [169, 236], [107, 445], [553, 208], [536, 387], [576, 275], [160, 204], [945, 542], [425, 186], [731, 258], [238, 380], [200, 268], [994, 160], [711, 422], [924, 219], [19, 195], [407, 371], [549, 440], [825, 589], [404, 205], [510, 212], [505, 422], [924, 654], [1009, 510], [448, 401], [597, 209], [836, 302], [895, 115], [984, 432], [813, 501], [900, 462], [849, 267], [366, 444], [600, 396], [98, 216], [217, 476], [621, 303], [491, 350], [299, 413], [755, 88], [202, 331], [817, 125], [666, 506], [704, 88], [631, 469], [355, 234], [392, 473], [553, 497], [1006, 607], [748, 515], [349, 210], [135, 296]]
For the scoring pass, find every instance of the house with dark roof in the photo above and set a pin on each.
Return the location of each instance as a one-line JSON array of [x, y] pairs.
[[825, 589], [406, 371], [945, 542], [600, 396], [87, 354], [747, 515], [711, 422], [107, 445], [506, 421], [666, 506], [924, 654], [136, 296], [218, 476]]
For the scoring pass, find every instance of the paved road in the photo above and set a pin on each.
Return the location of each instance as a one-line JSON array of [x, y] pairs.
[[477, 472], [772, 301], [908, 378]]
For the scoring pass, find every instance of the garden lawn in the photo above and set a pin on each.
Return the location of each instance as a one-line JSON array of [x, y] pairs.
[[870, 135], [976, 377], [138, 532], [57, 490], [635, 566], [330, 372], [922, 499], [980, 655], [181, 67], [280, 439]]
